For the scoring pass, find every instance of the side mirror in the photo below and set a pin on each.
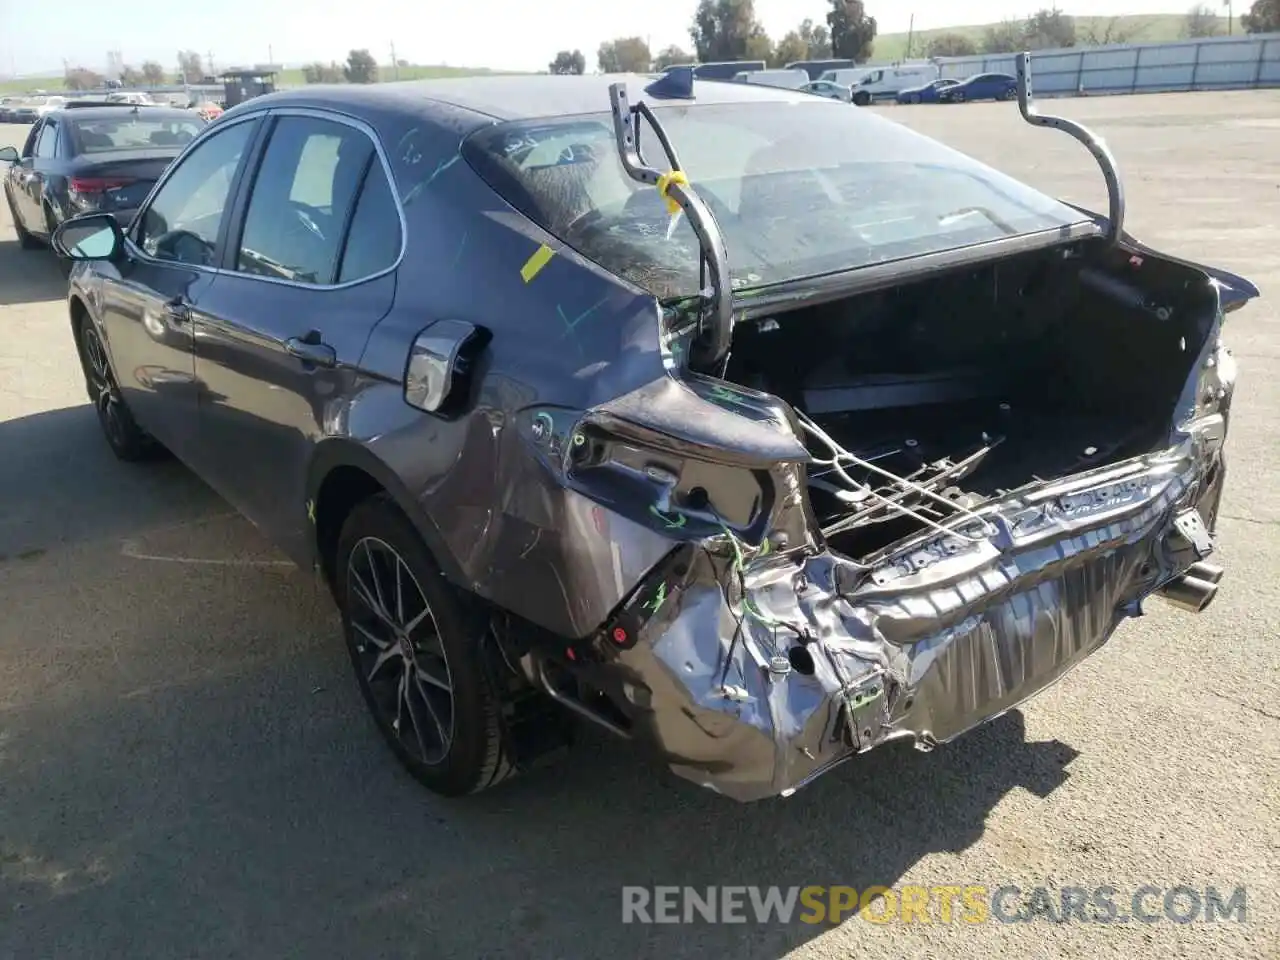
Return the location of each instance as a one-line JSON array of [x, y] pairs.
[[9, 155], [93, 236]]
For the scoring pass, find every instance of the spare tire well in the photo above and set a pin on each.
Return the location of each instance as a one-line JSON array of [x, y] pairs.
[[342, 489]]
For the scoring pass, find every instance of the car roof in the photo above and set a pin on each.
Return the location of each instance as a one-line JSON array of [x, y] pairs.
[[513, 97], [122, 110]]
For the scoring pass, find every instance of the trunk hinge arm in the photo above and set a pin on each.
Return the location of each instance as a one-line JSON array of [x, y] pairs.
[[1094, 144], [716, 316]]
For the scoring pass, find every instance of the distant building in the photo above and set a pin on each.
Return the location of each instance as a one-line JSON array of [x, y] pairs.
[[240, 84]]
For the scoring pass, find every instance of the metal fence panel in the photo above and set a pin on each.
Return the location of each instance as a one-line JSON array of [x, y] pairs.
[[1214, 63]]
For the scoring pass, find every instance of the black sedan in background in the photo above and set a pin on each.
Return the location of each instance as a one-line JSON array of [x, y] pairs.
[[91, 158], [983, 86]]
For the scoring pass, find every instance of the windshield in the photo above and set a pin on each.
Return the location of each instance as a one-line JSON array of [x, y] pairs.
[[132, 132], [796, 193]]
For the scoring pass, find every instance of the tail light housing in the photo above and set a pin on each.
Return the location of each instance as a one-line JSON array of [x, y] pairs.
[[89, 190]]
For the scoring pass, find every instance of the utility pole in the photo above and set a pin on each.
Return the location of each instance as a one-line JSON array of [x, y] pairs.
[[1231, 17], [395, 64], [208, 64], [911, 33], [271, 56]]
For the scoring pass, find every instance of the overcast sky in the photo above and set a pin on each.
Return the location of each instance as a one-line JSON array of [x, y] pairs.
[[487, 33]]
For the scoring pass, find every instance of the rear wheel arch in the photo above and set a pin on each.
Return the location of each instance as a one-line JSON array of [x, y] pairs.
[[344, 474]]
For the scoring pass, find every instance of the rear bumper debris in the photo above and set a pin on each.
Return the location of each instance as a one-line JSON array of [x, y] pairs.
[[753, 681]]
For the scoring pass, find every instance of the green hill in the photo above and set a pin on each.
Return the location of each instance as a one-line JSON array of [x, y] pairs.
[[295, 77], [1149, 28], [292, 77]]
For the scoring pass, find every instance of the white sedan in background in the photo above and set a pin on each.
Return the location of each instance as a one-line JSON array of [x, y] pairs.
[[828, 88]]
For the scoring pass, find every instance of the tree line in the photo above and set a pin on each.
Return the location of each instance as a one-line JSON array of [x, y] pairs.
[[150, 74], [729, 30]]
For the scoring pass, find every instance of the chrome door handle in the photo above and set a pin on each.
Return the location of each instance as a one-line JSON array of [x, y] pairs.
[[312, 351], [178, 310]]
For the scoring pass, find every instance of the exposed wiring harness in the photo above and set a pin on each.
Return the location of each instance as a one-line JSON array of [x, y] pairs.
[[841, 456], [742, 554]]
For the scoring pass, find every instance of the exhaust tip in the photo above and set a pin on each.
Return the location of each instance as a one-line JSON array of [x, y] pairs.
[[1190, 593], [1209, 572]]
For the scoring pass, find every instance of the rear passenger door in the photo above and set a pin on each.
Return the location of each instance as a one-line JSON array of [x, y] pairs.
[[308, 272]]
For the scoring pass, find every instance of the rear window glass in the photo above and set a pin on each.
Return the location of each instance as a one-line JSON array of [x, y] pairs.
[[799, 189], [132, 132]]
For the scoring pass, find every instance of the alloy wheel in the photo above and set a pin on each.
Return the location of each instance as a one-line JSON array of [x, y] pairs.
[[103, 389], [399, 652]]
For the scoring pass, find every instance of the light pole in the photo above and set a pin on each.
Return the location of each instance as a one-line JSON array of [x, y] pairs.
[[1231, 17]]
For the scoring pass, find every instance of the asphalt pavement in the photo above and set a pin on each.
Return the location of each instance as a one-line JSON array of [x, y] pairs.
[[187, 770]]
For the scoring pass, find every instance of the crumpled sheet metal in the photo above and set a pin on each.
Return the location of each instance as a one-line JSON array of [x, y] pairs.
[[949, 635]]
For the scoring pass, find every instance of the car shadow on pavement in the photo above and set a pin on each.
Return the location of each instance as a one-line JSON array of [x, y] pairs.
[[29, 276], [187, 769], [248, 808], [61, 484]]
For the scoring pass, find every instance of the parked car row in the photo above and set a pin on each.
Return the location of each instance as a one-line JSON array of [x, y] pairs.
[[29, 109], [908, 85], [89, 158]]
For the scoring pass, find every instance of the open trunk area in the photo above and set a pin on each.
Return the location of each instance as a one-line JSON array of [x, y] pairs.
[[972, 383]]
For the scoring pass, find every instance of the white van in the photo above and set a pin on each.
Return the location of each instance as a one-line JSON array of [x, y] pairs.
[[795, 79], [885, 82], [845, 76]]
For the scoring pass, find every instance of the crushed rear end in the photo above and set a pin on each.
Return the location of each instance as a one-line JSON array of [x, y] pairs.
[[900, 508]]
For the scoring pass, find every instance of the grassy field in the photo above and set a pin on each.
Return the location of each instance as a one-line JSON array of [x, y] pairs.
[[287, 78], [1153, 28]]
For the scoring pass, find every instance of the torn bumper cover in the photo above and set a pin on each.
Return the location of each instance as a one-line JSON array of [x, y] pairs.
[[753, 680]]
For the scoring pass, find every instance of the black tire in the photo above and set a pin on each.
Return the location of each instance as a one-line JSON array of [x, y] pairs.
[[25, 240], [958, 97], [127, 440], [862, 99], [1008, 94], [400, 671]]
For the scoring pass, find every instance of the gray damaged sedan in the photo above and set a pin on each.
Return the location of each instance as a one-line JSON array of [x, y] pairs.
[[752, 428]]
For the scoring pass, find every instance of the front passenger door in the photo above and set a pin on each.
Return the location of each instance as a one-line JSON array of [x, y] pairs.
[[147, 309]]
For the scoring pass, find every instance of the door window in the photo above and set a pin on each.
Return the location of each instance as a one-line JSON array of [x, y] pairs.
[[373, 242], [47, 145], [302, 199], [184, 218]]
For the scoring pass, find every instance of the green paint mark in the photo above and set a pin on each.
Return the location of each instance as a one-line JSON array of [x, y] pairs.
[[656, 603], [571, 325], [871, 696], [721, 394], [666, 519]]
